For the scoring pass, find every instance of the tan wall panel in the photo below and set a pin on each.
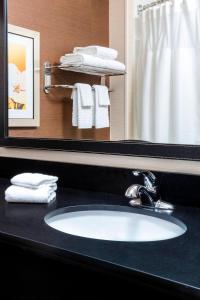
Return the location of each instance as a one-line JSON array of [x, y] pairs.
[[127, 162]]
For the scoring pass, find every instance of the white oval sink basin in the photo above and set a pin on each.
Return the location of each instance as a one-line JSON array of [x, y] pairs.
[[115, 223]]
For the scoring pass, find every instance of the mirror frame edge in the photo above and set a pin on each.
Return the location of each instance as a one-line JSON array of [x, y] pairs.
[[4, 70], [127, 148]]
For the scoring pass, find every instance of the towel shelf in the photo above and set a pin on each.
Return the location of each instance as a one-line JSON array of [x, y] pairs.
[[84, 69], [64, 86], [103, 73]]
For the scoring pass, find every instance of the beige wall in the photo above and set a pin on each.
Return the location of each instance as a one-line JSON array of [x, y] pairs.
[[121, 32], [127, 162], [117, 41]]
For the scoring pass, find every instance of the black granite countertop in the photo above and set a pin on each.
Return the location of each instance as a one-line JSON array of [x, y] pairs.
[[174, 262]]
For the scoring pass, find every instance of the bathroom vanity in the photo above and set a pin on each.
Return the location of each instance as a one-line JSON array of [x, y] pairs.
[[98, 239], [39, 256]]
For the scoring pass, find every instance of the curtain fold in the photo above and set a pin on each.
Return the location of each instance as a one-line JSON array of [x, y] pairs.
[[168, 73]]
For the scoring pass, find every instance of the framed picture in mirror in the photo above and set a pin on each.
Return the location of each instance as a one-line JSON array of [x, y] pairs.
[[24, 77]]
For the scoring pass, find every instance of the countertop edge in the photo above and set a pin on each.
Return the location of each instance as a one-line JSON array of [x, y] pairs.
[[66, 256]]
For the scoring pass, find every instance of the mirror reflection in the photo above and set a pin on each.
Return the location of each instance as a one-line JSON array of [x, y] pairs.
[[104, 70]]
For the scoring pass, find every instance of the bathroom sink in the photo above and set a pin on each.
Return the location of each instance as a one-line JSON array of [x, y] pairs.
[[115, 223]]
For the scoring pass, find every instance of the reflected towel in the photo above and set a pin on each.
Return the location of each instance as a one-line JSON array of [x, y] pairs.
[[103, 94], [101, 112], [92, 61], [98, 51], [82, 115]]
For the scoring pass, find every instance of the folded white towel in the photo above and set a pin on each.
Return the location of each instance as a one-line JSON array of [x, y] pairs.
[[25, 195], [103, 94], [85, 94], [101, 112], [89, 61], [82, 115], [52, 186], [99, 51], [34, 180]]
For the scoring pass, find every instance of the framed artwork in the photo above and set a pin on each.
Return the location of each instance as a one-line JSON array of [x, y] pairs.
[[23, 77]]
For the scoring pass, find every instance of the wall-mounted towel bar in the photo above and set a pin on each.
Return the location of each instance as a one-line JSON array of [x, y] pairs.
[[64, 86], [103, 73]]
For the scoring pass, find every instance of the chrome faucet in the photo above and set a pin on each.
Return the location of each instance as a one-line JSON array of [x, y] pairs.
[[147, 195]]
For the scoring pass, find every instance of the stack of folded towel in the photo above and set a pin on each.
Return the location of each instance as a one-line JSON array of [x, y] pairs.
[[90, 106], [97, 51], [32, 188], [92, 58]]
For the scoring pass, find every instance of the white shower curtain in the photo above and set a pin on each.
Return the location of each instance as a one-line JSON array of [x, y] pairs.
[[168, 73]]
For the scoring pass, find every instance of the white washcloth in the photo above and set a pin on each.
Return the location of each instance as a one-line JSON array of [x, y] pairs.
[[25, 195], [85, 60], [98, 51], [101, 112], [82, 116], [34, 180]]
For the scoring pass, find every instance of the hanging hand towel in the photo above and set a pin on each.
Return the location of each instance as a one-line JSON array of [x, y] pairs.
[[20, 194], [101, 111], [103, 94], [85, 61], [98, 51], [34, 180], [82, 116]]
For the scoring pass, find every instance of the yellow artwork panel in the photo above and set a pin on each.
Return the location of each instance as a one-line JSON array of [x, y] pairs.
[[17, 68], [17, 56]]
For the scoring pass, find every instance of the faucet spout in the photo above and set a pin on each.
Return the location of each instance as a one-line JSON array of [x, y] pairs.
[[147, 195], [137, 191]]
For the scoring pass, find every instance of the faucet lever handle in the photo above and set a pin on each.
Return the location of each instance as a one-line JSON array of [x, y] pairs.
[[149, 179]]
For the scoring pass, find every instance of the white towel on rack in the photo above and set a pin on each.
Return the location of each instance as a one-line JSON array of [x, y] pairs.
[[86, 94], [91, 62], [82, 115], [103, 94], [98, 51], [101, 109]]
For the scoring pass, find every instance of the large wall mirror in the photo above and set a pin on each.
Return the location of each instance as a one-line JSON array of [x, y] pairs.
[[122, 71]]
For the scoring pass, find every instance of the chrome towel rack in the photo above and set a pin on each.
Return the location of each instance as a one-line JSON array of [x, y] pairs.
[[73, 68]]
